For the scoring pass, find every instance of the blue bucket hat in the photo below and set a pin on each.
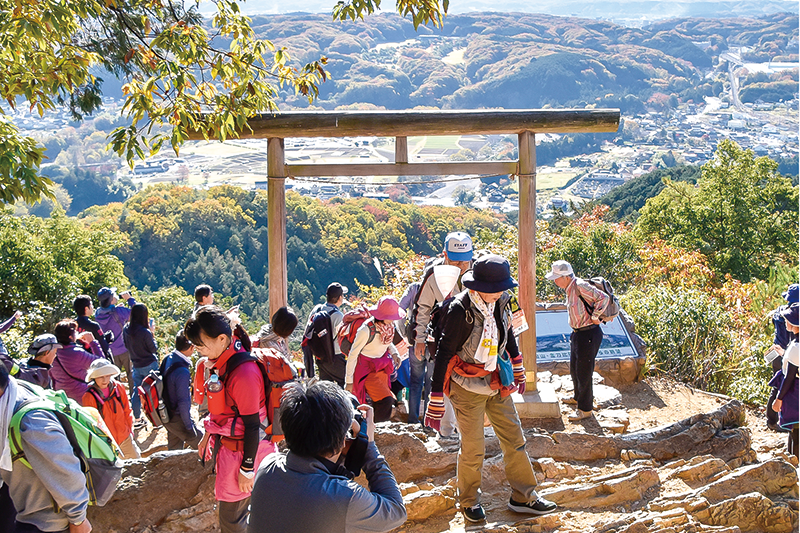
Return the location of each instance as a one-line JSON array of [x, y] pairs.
[[791, 294], [790, 313], [491, 273]]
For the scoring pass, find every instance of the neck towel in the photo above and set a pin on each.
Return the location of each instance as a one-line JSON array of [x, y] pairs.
[[7, 403], [487, 348]]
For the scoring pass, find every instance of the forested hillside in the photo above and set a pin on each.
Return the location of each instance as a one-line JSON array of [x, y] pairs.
[[181, 236], [519, 60]]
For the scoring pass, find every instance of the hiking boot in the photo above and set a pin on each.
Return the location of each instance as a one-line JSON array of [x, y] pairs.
[[579, 415], [474, 513], [539, 506], [775, 427]]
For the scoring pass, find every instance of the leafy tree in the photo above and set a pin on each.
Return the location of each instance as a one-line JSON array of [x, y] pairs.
[[742, 214], [463, 196], [182, 73], [626, 200]]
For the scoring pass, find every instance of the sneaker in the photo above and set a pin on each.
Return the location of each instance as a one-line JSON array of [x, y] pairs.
[[579, 415], [569, 401], [538, 507], [139, 423], [474, 513]]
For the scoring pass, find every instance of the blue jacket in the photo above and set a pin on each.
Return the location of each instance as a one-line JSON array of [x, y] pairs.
[[294, 494]]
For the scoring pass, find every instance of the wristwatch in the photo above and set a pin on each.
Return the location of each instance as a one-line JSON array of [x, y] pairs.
[[249, 474]]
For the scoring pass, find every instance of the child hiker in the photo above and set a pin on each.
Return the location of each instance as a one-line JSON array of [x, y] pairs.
[[110, 398]]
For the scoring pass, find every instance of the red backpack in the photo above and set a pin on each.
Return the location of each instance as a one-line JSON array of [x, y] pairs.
[[351, 321], [276, 372], [151, 393]]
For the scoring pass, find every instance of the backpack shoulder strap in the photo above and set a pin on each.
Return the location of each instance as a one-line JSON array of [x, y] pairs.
[[235, 362]]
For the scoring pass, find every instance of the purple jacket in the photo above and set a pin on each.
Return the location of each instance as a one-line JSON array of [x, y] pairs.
[[69, 369], [114, 318]]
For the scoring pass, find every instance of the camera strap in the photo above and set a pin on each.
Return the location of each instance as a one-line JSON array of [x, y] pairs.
[[335, 469]]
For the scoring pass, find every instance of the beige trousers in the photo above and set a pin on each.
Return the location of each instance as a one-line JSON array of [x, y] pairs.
[[469, 409], [129, 448]]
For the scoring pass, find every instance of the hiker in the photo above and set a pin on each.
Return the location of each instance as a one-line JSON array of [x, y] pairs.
[[112, 317], [786, 380], [333, 368], [457, 252], [307, 489], [421, 370], [586, 334], [36, 370], [84, 308], [72, 361], [276, 334], [203, 295], [478, 365], [237, 407], [110, 398], [55, 474], [176, 373], [779, 345], [370, 363], [143, 351]]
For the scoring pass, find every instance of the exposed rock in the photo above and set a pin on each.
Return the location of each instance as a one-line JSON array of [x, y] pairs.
[[615, 372], [625, 487], [700, 471], [605, 396], [773, 478], [538, 524], [633, 455], [613, 420], [411, 458], [702, 434], [751, 512], [159, 485], [422, 504], [553, 471]]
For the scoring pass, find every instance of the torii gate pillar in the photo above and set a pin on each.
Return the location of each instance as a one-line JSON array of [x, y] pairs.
[[537, 402]]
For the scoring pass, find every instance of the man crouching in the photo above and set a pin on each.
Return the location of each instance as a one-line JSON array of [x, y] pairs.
[[308, 489]]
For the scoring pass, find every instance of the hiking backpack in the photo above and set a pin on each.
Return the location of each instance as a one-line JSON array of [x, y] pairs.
[[613, 308], [318, 336], [351, 322], [151, 392], [91, 441], [276, 372]]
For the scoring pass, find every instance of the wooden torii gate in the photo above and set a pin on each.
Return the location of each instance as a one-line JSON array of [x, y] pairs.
[[401, 125]]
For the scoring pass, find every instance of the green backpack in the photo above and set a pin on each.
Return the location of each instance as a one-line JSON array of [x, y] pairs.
[[91, 444]]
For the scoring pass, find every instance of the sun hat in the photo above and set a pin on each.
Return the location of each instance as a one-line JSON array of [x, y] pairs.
[[100, 368], [458, 246], [491, 273], [559, 269], [791, 294], [43, 343], [387, 308], [789, 314], [105, 295]]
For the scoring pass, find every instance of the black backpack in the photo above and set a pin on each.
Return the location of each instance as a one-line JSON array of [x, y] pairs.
[[319, 335], [436, 324]]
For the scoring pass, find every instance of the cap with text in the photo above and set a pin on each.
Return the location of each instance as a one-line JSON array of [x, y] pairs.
[[458, 246]]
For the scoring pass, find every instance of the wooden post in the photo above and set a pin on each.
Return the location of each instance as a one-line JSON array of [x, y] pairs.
[[276, 224], [401, 150], [527, 251]]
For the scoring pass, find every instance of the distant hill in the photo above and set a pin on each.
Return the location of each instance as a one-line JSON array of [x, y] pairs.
[[518, 60], [626, 200]]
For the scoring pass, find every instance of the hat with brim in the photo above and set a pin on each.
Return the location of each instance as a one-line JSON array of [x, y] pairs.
[[489, 274], [387, 308], [559, 269], [43, 343], [790, 313], [100, 368]]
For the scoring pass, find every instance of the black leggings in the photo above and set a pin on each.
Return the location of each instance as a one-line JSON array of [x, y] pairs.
[[383, 409], [792, 443]]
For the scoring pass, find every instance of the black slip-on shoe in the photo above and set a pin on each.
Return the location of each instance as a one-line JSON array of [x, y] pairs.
[[539, 506], [475, 513]]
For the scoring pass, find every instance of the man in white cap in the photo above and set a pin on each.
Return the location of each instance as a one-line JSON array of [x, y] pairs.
[[585, 305], [457, 252]]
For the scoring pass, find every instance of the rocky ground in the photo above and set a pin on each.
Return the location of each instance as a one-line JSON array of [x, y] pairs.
[[657, 457]]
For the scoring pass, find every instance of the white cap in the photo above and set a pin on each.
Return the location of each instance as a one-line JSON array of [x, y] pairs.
[[559, 269], [458, 246]]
